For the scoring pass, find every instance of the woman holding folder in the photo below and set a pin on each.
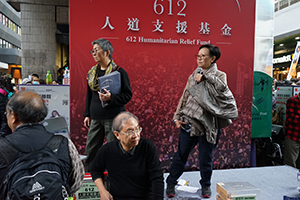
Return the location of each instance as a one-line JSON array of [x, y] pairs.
[[101, 105]]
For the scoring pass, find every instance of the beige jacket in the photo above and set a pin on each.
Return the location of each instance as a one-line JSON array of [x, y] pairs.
[[182, 102]]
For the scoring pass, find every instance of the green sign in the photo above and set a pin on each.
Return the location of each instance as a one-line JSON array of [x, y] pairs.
[[261, 105], [246, 197]]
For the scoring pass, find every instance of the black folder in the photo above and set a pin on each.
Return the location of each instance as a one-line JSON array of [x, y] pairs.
[[111, 82]]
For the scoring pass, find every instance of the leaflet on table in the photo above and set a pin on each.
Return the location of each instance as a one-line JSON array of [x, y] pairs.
[[238, 191], [111, 82]]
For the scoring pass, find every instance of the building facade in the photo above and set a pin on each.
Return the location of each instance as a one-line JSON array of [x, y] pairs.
[[10, 38], [44, 35], [286, 36]]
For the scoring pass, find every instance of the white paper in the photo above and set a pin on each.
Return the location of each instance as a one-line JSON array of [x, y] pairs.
[[181, 182], [188, 189]]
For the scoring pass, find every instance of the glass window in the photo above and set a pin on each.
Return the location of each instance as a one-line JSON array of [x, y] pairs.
[[3, 19]]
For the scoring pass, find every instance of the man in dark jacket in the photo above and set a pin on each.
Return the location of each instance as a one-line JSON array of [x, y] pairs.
[[24, 111], [132, 163], [4, 129]]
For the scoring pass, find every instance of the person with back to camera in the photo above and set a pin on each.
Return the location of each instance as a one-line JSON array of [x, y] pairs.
[[24, 112], [4, 129], [98, 119], [132, 164], [206, 106]]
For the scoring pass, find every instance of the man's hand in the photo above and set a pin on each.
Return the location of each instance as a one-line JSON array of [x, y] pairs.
[[106, 96], [105, 195], [198, 77], [87, 122], [178, 123]]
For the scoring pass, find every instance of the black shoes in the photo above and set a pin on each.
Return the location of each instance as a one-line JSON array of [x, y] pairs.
[[170, 191], [206, 192]]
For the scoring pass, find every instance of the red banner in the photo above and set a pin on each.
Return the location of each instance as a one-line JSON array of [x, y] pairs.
[[155, 42]]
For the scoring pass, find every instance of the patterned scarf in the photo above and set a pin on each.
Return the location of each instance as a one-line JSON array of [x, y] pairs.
[[93, 72]]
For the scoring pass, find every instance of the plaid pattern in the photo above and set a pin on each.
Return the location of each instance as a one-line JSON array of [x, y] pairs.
[[292, 123], [76, 174]]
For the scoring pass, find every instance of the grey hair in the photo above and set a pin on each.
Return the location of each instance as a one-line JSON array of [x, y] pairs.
[[120, 119], [105, 45]]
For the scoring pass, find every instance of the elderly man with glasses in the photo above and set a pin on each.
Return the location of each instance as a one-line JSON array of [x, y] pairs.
[[131, 162]]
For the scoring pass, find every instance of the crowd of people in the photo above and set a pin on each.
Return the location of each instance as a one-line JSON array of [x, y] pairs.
[[8, 89], [34, 79]]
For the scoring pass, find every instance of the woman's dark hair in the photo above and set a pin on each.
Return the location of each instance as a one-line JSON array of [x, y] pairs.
[[35, 75], [213, 51], [28, 110]]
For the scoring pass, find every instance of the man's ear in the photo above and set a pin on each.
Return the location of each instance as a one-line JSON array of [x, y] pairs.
[[14, 117], [117, 134], [107, 53], [14, 120]]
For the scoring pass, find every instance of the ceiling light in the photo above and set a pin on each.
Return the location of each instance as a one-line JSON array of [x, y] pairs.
[[297, 38], [281, 45]]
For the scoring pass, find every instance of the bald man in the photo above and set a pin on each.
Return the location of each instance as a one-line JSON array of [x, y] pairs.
[[24, 112]]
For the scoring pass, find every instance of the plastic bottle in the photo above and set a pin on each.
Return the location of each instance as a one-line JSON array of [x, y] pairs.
[[298, 178], [66, 75], [66, 80], [48, 78]]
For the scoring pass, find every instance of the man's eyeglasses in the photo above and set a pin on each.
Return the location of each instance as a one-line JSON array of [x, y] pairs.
[[200, 56], [94, 51], [130, 133]]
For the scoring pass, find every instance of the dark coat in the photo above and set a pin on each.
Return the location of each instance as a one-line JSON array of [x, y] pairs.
[[4, 129]]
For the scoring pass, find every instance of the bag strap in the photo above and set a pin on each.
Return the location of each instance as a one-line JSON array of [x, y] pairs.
[[7, 151], [54, 143]]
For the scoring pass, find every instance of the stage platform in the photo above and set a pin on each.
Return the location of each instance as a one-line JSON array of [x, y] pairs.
[[274, 182]]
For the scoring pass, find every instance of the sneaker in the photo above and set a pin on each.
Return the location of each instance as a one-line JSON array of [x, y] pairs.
[[206, 192], [170, 191]]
